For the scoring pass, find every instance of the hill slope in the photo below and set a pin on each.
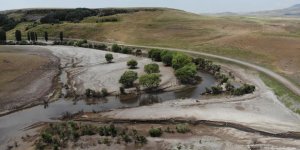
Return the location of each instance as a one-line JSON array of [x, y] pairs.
[[269, 42], [293, 11]]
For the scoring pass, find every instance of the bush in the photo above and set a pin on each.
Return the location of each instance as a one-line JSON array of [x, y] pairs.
[[155, 132], [116, 48], [186, 74], [245, 89], [180, 60], [229, 87], [150, 81], [155, 54], [167, 59], [132, 64], [151, 68], [126, 50], [104, 92], [216, 90], [128, 78], [47, 137], [100, 46], [182, 128], [109, 57]]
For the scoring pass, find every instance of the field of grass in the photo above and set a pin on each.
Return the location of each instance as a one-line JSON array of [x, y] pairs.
[[273, 43]]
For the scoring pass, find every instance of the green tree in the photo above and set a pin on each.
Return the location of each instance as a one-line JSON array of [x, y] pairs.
[[36, 36], [61, 36], [186, 74], [155, 54], [128, 78], [109, 57], [116, 48], [167, 59], [2, 37], [151, 68], [32, 36], [126, 50], [179, 60], [132, 64], [150, 81], [46, 36], [18, 35]]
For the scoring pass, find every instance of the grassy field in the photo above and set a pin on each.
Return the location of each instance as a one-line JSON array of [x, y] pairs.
[[273, 43]]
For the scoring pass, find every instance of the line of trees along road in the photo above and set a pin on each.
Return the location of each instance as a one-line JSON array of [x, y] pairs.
[[31, 36]]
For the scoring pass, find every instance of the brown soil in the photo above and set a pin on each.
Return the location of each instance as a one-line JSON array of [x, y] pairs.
[[26, 76]]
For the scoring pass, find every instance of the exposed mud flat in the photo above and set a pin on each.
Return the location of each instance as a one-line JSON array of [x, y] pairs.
[[87, 68], [26, 85]]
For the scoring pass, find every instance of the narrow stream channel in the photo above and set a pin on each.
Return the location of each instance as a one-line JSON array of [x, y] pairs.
[[13, 124]]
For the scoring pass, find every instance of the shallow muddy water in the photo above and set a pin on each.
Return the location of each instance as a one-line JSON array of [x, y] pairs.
[[12, 124]]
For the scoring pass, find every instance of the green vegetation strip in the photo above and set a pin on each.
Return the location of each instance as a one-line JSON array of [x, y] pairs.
[[283, 94]]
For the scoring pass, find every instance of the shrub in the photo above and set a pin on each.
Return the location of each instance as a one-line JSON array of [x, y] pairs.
[[126, 50], [245, 89], [109, 57], [182, 128], [155, 54], [116, 48], [155, 132], [100, 46], [216, 90], [180, 60], [186, 74], [104, 92], [151, 68], [132, 64], [167, 59], [150, 81], [122, 90], [138, 52], [128, 78], [47, 137], [229, 87], [140, 139]]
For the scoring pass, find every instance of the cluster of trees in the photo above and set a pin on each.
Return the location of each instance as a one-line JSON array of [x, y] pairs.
[[118, 49], [7, 23], [81, 43], [73, 15], [185, 69], [96, 94], [150, 81]]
